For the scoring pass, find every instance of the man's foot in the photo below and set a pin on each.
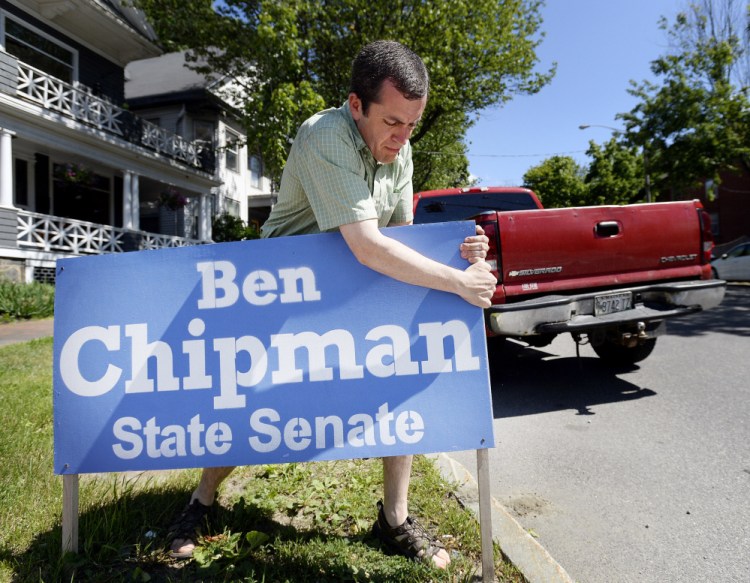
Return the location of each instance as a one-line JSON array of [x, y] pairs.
[[186, 529], [411, 540]]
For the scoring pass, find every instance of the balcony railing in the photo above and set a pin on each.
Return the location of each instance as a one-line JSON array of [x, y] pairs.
[[59, 234], [80, 104]]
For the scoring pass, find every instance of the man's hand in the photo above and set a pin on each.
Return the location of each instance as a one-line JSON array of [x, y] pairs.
[[478, 284], [475, 248]]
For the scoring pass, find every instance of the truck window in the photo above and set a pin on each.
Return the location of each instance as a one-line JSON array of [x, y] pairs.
[[458, 207]]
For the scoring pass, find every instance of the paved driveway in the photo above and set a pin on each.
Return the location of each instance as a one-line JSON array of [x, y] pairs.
[[25, 330]]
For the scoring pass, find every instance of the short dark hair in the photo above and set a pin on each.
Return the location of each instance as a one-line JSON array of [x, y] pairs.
[[387, 59]]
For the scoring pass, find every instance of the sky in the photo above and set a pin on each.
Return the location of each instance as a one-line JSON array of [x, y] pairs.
[[599, 46]]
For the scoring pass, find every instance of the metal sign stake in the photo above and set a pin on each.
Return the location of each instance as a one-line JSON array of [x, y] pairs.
[[70, 514], [485, 516]]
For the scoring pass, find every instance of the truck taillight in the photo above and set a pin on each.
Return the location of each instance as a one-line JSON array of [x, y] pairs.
[[707, 237], [490, 229]]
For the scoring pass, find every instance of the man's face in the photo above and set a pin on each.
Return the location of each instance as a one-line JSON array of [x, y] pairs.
[[389, 123]]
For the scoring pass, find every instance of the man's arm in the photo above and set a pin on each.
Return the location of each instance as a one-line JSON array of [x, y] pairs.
[[392, 258], [472, 249]]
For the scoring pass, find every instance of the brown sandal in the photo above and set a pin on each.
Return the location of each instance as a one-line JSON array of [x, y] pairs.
[[409, 539], [188, 526]]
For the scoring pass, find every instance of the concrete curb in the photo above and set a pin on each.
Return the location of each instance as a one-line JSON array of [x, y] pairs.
[[529, 557]]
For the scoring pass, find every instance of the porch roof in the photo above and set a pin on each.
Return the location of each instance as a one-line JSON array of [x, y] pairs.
[[110, 27]]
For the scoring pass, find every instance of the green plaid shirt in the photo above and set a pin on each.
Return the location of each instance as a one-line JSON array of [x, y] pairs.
[[331, 179]]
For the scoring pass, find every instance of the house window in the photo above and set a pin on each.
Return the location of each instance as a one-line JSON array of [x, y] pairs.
[[21, 186], [232, 151], [39, 50], [715, 230], [203, 131], [86, 197], [254, 164], [231, 206]]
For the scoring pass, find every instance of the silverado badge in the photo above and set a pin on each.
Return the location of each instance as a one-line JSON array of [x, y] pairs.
[[535, 271]]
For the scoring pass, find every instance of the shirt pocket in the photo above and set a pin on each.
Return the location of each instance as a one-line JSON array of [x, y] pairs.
[[385, 198]]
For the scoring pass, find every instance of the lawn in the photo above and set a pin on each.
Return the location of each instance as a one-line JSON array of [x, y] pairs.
[[273, 523]]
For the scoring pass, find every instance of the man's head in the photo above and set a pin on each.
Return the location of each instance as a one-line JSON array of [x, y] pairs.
[[387, 96], [387, 59]]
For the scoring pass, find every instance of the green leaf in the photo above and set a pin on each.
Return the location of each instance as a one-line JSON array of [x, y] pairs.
[[256, 539]]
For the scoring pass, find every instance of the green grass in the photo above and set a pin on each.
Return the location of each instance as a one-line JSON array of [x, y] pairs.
[[273, 523]]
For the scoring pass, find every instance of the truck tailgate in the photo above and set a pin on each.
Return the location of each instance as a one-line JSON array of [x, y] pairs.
[[558, 249]]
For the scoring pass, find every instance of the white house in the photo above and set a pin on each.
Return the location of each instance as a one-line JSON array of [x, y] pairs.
[[79, 172], [167, 92]]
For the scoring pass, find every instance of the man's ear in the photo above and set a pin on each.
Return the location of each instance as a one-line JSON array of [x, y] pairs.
[[355, 106]]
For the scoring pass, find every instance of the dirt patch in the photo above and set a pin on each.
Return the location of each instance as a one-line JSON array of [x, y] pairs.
[[527, 505]]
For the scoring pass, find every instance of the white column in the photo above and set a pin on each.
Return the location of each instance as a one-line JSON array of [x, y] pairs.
[[127, 199], [204, 224], [131, 214], [135, 204], [6, 168]]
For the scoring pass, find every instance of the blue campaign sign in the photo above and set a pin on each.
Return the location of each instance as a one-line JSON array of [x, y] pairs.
[[267, 351]]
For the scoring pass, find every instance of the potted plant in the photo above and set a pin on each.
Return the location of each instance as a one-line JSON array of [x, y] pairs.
[[172, 212], [173, 199], [74, 174]]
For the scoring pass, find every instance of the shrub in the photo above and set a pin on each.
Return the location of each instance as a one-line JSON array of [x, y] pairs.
[[26, 300], [227, 227]]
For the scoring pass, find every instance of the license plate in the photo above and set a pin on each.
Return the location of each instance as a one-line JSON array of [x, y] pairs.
[[611, 303]]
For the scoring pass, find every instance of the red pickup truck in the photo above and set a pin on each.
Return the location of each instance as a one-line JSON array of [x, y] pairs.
[[609, 275]]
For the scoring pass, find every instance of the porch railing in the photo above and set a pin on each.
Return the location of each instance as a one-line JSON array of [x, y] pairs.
[[79, 103], [59, 234]]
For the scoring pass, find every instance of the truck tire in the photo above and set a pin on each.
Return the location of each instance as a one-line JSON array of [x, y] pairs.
[[621, 356]]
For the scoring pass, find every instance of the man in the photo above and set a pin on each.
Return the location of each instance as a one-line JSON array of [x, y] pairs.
[[350, 170]]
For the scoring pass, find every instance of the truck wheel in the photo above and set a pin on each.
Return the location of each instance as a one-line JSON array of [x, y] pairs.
[[620, 356]]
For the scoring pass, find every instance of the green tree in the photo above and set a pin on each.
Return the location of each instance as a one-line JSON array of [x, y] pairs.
[[695, 122], [726, 20], [440, 156], [615, 175], [290, 59], [558, 182]]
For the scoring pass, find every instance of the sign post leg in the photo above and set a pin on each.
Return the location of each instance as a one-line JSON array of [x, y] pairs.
[[485, 516], [70, 514]]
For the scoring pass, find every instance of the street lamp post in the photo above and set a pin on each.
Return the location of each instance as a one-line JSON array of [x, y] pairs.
[[619, 132], [648, 176]]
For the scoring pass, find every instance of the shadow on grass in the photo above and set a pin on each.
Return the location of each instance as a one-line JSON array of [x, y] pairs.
[[125, 541]]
